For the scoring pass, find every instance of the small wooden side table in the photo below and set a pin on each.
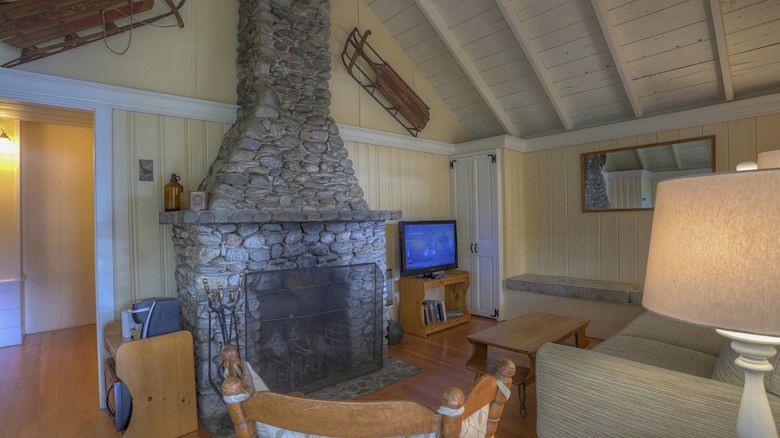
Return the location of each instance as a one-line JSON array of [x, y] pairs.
[[524, 335], [412, 295], [160, 374]]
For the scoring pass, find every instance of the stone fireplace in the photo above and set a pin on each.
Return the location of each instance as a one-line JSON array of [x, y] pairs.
[[283, 194]]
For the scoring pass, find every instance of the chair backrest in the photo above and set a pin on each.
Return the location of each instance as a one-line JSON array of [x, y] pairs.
[[358, 419]]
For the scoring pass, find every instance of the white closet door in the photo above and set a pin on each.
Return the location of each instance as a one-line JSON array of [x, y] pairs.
[[462, 176], [485, 296]]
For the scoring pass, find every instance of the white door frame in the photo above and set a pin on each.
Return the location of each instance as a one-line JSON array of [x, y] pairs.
[[102, 100]]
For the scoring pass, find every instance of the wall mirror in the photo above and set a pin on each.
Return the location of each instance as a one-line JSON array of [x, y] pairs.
[[626, 178]]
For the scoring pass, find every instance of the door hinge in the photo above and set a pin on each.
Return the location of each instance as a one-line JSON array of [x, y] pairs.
[[452, 164], [492, 158], [495, 313]]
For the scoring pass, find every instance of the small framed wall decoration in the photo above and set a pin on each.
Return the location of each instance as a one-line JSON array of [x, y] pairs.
[[145, 170]]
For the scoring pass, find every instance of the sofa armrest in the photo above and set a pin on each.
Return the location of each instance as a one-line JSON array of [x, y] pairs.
[[586, 393]]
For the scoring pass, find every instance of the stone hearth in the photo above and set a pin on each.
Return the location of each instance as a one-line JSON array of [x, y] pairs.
[[282, 190]]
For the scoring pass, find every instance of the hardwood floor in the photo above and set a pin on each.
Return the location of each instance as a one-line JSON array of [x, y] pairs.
[[48, 386], [443, 357]]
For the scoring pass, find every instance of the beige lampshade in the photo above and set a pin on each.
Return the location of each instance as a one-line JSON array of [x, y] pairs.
[[715, 251]]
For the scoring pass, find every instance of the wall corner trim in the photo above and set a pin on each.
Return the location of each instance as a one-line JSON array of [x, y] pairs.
[[380, 138]]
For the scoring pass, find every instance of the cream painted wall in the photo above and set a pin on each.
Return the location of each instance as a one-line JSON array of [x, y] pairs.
[[353, 106], [58, 235], [10, 240], [143, 249], [197, 61], [559, 239], [10, 258]]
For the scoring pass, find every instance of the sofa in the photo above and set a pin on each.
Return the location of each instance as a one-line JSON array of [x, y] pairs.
[[655, 378]]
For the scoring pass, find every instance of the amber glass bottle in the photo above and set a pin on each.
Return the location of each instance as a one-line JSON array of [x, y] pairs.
[[172, 191]]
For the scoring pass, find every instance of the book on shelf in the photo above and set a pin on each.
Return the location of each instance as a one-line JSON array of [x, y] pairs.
[[434, 312], [454, 313]]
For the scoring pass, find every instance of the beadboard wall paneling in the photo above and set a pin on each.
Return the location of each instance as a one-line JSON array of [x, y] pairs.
[[514, 217], [417, 183], [559, 239], [144, 257]]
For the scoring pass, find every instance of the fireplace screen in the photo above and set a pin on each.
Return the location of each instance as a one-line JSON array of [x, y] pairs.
[[311, 328]]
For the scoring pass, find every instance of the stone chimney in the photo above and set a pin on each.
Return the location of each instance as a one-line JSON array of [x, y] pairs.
[[284, 152]]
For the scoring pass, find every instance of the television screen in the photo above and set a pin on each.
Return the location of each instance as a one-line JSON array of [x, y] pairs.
[[427, 247]]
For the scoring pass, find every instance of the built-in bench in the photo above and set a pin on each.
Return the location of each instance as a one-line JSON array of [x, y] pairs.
[[612, 291], [609, 305]]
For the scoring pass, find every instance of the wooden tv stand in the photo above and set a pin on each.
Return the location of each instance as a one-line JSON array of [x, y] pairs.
[[412, 294]]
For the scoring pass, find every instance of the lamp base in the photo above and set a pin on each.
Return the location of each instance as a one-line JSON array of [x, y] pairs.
[[755, 417]]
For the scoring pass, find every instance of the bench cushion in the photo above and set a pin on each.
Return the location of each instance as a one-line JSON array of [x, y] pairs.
[[611, 291]]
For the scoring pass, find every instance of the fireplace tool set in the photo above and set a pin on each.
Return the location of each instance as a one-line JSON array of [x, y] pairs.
[[224, 305]]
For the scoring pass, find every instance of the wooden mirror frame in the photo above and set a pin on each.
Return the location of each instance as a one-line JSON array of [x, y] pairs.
[[585, 155]]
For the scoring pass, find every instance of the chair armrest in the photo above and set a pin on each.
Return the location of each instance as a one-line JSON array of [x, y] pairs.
[[586, 393]]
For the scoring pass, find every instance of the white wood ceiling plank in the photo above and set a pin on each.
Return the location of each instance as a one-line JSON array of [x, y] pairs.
[[488, 46], [685, 36], [606, 113], [525, 41], [754, 37], [595, 98], [454, 88], [438, 23], [532, 8], [473, 110], [677, 78], [578, 49], [415, 35], [542, 118], [744, 62], [426, 50], [456, 14], [723, 52], [384, 9], [515, 86], [674, 100], [532, 96], [589, 26], [640, 8], [447, 77], [553, 20], [482, 26], [404, 20], [674, 60], [732, 5], [604, 18], [498, 59], [761, 80], [753, 15], [506, 72], [662, 21], [612, 4], [463, 100], [580, 67], [588, 81], [438, 64]]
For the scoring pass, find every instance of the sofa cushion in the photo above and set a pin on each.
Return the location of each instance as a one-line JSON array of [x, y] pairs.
[[668, 331], [729, 372], [659, 354]]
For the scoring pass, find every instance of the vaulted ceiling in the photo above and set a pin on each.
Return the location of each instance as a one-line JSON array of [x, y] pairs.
[[535, 67]]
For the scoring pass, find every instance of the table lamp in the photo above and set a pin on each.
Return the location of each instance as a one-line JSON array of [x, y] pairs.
[[714, 261]]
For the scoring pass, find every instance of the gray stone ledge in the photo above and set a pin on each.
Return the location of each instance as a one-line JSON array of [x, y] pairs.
[[275, 216], [597, 290]]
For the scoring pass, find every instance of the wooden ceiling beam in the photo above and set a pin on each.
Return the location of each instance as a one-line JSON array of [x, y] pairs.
[[525, 41], [723, 51], [448, 38], [602, 15]]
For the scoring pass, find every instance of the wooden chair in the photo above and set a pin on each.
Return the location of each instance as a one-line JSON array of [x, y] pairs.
[[355, 419]]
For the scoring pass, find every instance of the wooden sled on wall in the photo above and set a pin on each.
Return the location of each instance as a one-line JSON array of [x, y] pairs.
[[42, 28], [379, 79]]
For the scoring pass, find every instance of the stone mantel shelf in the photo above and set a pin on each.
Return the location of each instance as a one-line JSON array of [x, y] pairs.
[[276, 216]]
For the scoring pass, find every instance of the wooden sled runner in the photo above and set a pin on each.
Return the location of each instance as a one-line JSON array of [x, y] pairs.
[[383, 83], [42, 28]]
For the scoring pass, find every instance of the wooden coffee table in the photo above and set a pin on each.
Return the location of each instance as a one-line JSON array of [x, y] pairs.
[[524, 335]]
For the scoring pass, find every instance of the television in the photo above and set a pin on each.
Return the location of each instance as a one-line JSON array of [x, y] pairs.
[[427, 247]]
